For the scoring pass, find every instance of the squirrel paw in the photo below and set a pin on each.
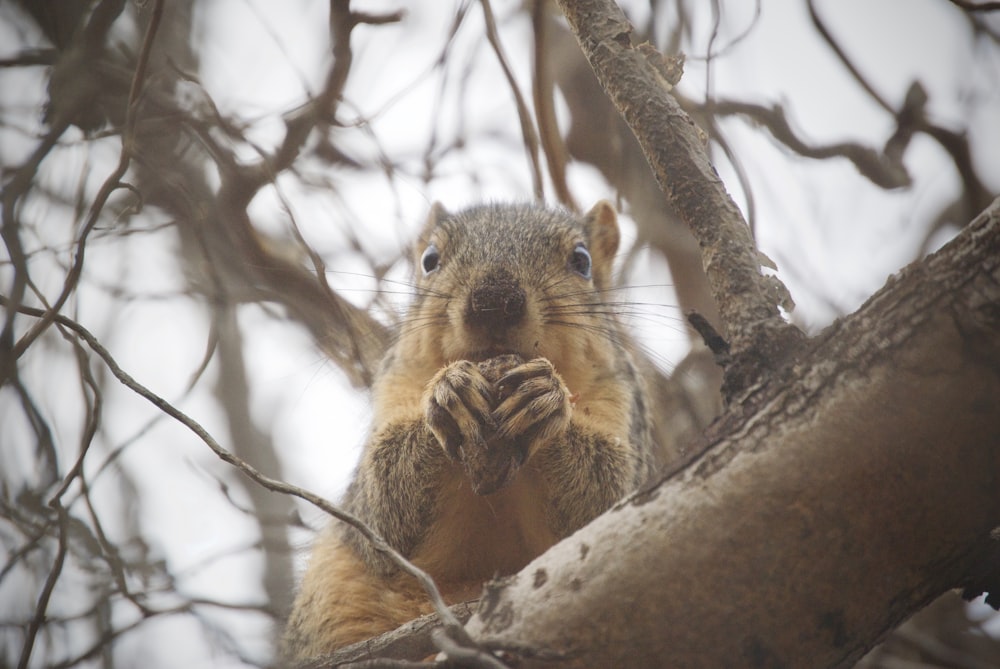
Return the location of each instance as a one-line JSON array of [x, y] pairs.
[[459, 411], [491, 416], [533, 404], [459, 408]]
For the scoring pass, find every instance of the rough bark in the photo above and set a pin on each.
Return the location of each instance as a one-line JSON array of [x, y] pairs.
[[638, 80], [843, 494]]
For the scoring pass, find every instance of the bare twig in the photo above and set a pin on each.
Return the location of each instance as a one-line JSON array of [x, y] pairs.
[[970, 6], [322, 109], [352, 338], [382, 663], [528, 134], [842, 56], [12, 193], [451, 622], [553, 146], [464, 655], [410, 641], [50, 584], [111, 184], [910, 118], [881, 169]]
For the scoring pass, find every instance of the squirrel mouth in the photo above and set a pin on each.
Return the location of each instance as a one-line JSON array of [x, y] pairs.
[[484, 354]]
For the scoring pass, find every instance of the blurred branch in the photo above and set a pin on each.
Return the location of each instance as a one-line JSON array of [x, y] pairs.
[[715, 132], [975, 195], [882, 169], [75, 83], [31, 57], [112, 183], [50, 584], [637, 81], [910, 119], [969, 6], [244, 184], [13, 193], [252, 444], [452, 624], [553, 147], [839, 52], [528, 134], [349, 335]]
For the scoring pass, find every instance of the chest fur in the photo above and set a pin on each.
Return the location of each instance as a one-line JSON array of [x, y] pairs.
[[475, 537]]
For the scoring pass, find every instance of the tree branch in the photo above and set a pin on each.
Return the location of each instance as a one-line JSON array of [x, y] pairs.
[[528, 135], [635, 78], [553, 147], [826, 509], [882, 169], [969, 6], [111, 184], [451, 623]]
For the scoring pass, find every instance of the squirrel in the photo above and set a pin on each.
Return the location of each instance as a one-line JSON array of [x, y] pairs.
[[507, 415]]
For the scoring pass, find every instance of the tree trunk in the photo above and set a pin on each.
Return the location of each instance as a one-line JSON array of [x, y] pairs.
[[842, 495]]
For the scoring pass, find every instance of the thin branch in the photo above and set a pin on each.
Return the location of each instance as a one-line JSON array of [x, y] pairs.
[[741, 174], [111, 184], [474, 658], [553, 146], [351, 336], [451, 622], [13, 191], [528, 134], [31, 57], [910, 117], [881, 169], [46, 594], [322, 109], [842, 56], [976, 6], [93, 404]]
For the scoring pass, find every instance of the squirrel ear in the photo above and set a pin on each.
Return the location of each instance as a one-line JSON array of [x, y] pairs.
[[435, 216], [601, 224]]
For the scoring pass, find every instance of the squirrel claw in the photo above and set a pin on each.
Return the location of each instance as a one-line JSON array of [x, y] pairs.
[[459, 407], [534, 404]]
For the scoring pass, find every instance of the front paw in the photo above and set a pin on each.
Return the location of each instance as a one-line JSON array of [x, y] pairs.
[[459, 405], [459, 411], [533, 405]]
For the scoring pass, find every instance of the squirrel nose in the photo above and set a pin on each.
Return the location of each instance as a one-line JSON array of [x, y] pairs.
[[497, 302]]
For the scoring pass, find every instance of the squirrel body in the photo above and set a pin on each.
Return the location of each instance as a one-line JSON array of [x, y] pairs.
[[507, 415]]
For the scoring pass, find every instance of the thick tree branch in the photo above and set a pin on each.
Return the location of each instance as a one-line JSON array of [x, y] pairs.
[[826, 509], [636, 80]]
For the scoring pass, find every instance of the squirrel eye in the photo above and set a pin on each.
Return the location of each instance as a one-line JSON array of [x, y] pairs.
[[430, 260], [580, 261]]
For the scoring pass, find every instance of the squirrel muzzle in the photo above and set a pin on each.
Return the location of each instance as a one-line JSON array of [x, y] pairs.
[[495, 304]]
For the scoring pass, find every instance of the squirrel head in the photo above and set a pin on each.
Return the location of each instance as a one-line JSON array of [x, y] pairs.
[[512, 278]]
